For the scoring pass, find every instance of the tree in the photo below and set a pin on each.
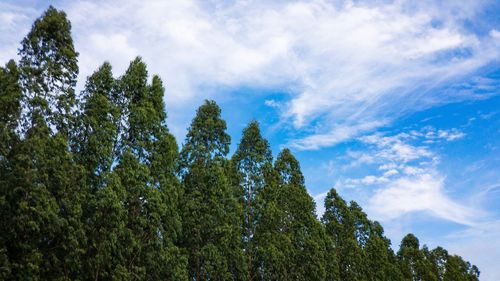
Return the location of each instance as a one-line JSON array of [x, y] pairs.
[[30, 207], [93, 142], [146, 171], [459, 270], [49, 71], [437, 258], [290, 233], [43, 182], [10, 107], [10, 100], [415, 264], [381, 263], [251, 163], [93, 187], [97, 126], [340, 224], [210, 211]]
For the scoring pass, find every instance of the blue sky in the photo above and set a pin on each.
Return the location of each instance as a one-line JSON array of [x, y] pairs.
[[394, 103]]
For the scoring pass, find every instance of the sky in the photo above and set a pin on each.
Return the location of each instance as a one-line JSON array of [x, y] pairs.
[[396, 104]]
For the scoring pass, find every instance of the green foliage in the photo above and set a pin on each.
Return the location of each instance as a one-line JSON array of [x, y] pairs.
[[206, 139], [97, 128], [339, 224], [10, 101], [210, 211], [289, 233], [49, 69], [251, 164], [93, 187]]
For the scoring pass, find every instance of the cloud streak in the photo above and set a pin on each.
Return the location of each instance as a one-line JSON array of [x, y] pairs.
[[421, 193], [352, 66], [406, 178]]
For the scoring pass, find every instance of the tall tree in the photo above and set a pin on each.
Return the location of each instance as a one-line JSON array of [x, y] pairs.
[[339, 223], [252, 163], [45, 183], [10, 99], [381, 263], [415, 264], [459, 270], [49, 71], [290, 233], [210, 210], [146, 171], [93, 141], [97, 126], [361, 228], [438, 258], [10, 107]]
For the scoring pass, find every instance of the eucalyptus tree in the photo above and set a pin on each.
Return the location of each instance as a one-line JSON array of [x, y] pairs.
[[210, 210], [290, 233], [340, 225], [146, 161], [251, 164], [10, 108], [44, 185], [49, 70]]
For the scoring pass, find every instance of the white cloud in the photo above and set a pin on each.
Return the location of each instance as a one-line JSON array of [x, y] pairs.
[[272, 103], [339, 134], [408, 179], [432, 135], [395, 148], [14, 23], [369, 180], [450, 135], [345, 64], [421, 193]]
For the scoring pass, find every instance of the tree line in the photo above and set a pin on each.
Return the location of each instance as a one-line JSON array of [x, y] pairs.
[[94, 187]]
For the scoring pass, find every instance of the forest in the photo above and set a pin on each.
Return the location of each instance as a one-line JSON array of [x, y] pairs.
[[93, 186]]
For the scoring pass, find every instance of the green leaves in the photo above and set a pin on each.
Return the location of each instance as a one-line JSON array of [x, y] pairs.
[[210, 211], [207, 139], [251, 165], [288, 233], [49, 69]]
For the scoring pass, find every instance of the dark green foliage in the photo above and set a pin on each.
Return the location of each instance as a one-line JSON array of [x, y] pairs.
[[340, 226], [251, 164], [10, 105], [411, 258], [210, 211], [422, 264], [49, 69], [381, 263], [93, 187], [207, 139], [289, 233], [45, 201], [10, 102], [459, 270], [44, 191]]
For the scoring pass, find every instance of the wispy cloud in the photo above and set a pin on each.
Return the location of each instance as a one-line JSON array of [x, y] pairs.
[[351, 65], [420, 193], [14, 22], [339, 134], [406, 178]]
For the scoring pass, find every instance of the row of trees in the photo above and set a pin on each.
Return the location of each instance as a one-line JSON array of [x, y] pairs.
[[93, 187]]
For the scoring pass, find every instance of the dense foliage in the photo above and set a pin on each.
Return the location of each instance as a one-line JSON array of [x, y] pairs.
[[93, 187]]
